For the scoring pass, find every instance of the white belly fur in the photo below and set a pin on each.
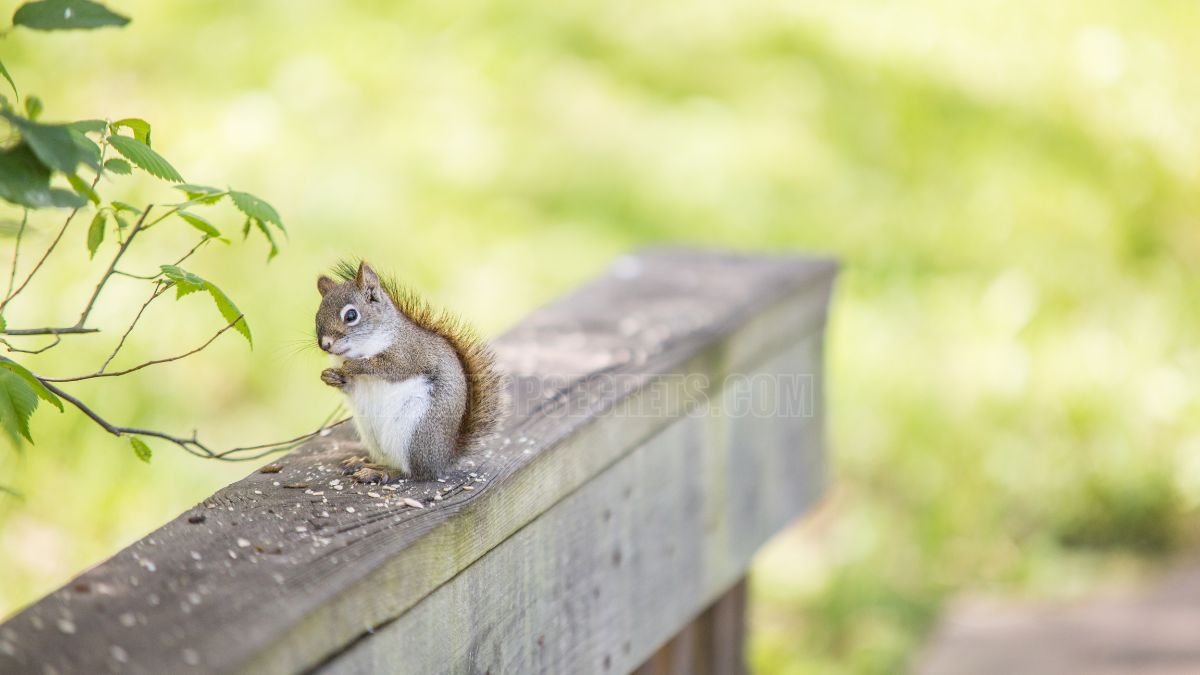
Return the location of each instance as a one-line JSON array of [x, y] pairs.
[[387, 414]]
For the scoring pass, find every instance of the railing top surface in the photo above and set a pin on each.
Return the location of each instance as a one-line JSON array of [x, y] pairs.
[[218, 586]]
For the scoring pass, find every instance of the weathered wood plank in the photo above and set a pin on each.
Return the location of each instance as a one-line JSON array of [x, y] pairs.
[[712, 644], [266, 578], [598, 582]]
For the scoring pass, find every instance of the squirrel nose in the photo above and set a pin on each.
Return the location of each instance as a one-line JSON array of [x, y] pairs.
[[326, 342]]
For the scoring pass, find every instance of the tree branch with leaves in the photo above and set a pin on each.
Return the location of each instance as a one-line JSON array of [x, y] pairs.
[[56, 167]]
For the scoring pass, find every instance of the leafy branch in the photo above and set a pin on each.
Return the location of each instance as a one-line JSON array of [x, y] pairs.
[[192, 444], [47, 166]]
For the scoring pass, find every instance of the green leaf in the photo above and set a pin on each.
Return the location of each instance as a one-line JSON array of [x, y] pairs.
[[246, 228], [25, 181], [148, 160], [4, 72], [124, 206], [95, 234], [66, 15], [230, 311], [3, 322], [58, 146], [38, 388], [33, 107], [87, 146], [201, 194], [262, 227], [140, 449], [89, 126], [139, 127], [256, 208], [83, 188], [200, 224], [118, 165], [17, 402], [186, 283]]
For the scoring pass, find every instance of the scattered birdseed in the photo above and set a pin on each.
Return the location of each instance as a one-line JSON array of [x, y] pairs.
[[373, 494], [271, 468], [242, 543], [468, 487], [413, 503], [349, 509], [296, 486]]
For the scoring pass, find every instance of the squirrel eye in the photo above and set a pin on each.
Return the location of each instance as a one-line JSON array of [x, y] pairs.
[[350, 315]]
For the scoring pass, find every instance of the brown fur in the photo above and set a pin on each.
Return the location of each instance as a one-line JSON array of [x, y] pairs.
[[485, 390]]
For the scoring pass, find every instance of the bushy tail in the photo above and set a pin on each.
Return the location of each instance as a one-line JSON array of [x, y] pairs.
[[485, 391]]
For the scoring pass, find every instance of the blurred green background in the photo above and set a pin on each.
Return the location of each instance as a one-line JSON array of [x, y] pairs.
[[1012, 187]]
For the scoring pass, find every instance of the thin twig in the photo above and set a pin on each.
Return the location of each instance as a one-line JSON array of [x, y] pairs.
[[152, 277], [191, 445], [9, 296], [143, 277], [62, 330], [57, 339], [195, 248], [281, 446], [117, 430], [179, 207], [158, 290], [113, 265], [101, 373], [12, 276], [68, 330]]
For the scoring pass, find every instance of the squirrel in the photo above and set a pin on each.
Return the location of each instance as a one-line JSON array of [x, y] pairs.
[[422, 385]]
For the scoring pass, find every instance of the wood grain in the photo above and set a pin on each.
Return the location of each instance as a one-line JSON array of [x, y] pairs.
[[270, 576]]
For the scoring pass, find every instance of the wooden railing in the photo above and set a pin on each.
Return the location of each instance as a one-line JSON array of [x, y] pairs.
[[666, 420]]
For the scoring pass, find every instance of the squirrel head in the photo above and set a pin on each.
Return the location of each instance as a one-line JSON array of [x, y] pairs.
[[357, 318]]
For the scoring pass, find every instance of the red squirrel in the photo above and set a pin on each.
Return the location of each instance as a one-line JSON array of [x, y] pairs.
[[423, 387]]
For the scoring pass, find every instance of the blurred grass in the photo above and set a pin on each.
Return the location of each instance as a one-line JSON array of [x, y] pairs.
[[1011, 186]]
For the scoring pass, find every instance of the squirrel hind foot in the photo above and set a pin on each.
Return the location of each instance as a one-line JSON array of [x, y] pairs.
[[374, 474]]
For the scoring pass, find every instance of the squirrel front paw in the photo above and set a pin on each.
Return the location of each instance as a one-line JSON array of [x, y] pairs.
[[334, 377]]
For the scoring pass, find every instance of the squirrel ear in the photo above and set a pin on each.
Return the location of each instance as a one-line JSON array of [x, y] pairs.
[[325, 284], [366, 278]]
